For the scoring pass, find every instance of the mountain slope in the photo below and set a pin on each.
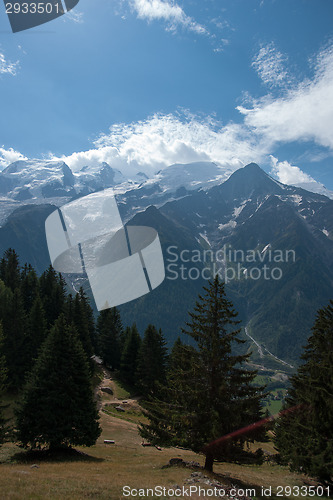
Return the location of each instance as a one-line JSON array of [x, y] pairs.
[[272, 243]]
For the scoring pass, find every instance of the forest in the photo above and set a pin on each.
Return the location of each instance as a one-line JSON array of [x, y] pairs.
[[201, 395]]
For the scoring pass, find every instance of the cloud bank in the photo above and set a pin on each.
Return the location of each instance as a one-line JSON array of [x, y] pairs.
[[162, 140], [8, 156], [304, 113]]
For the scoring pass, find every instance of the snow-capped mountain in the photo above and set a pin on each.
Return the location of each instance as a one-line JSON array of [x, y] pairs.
[[273, 244], [33, 179], [39, 181], [250, 213]]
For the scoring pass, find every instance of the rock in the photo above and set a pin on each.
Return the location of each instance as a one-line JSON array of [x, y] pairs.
[[108, 390], [179, 462]]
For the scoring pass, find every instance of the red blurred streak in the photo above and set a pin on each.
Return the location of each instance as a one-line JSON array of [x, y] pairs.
[[250, 427]]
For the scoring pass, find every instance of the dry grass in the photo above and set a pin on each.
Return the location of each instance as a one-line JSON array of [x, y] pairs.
[[100, 472]]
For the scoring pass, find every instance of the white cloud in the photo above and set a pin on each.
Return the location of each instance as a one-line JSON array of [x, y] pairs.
[[270, 65], [162, 140], [8, 67], [289, 174], [8, 156], [304, 113], [165, 10], [294, 176]]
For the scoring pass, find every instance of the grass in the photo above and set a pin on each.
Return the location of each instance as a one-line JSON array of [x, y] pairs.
[[130, 415], [101, 472]]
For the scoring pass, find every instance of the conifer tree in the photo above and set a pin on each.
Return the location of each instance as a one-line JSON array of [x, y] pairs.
[[52, 290], [129, 358], [210, 394], [152, 358], [80, 322], [3, 378], [14, 326], [57, 407], [29, 286], [10, 269], [304, 432], [36, 331], [89, 317], [109, 331]]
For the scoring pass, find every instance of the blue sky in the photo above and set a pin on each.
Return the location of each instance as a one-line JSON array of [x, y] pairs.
[[143, 84]]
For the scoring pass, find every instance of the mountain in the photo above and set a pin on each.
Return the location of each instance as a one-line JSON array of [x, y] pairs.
[[33, 181], [24, 231], [259, 222], [27, 182], [271, 243]]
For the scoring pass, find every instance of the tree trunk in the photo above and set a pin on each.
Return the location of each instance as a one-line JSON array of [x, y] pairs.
[[209, 462]]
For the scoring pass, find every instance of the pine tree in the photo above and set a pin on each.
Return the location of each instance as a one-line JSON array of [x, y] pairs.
[[109, 331], [36, 331], [14, 326], [89, 317], [3, 378], [52, 290], [210, 394], [77, 315], [10, 269], [29, 286], [129, 358], [57, 407], [152, 358], [304, 432]]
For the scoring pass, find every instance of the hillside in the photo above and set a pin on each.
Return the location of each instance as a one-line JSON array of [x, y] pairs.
[[102, 471]]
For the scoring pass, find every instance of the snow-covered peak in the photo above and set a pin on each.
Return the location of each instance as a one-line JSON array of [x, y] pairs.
[[191, 176], [315, 187]]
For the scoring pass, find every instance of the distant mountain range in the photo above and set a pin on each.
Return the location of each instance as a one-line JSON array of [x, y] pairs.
[[271, 242]]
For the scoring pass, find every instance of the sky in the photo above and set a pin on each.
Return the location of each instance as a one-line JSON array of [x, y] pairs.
[[143, 84]]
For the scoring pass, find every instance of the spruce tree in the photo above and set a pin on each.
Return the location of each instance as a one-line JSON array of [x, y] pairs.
[[10, 269], [304, 432], [89, 317], [210, 394], [57, 407], [80, 321], [52, 290], [129, 358], [109, 333], [36, 331], [14, 326], [3, 378], [29, 286], [152, 358]]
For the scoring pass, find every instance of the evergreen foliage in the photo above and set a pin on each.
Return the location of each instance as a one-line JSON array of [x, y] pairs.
[[57, 407], [152, 358], [52, 290], [29, 286], [109, 334], [14, 321], [10, 269], [209, 392], [304, 432], [36, 331], [3, 378], [130, 354]]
